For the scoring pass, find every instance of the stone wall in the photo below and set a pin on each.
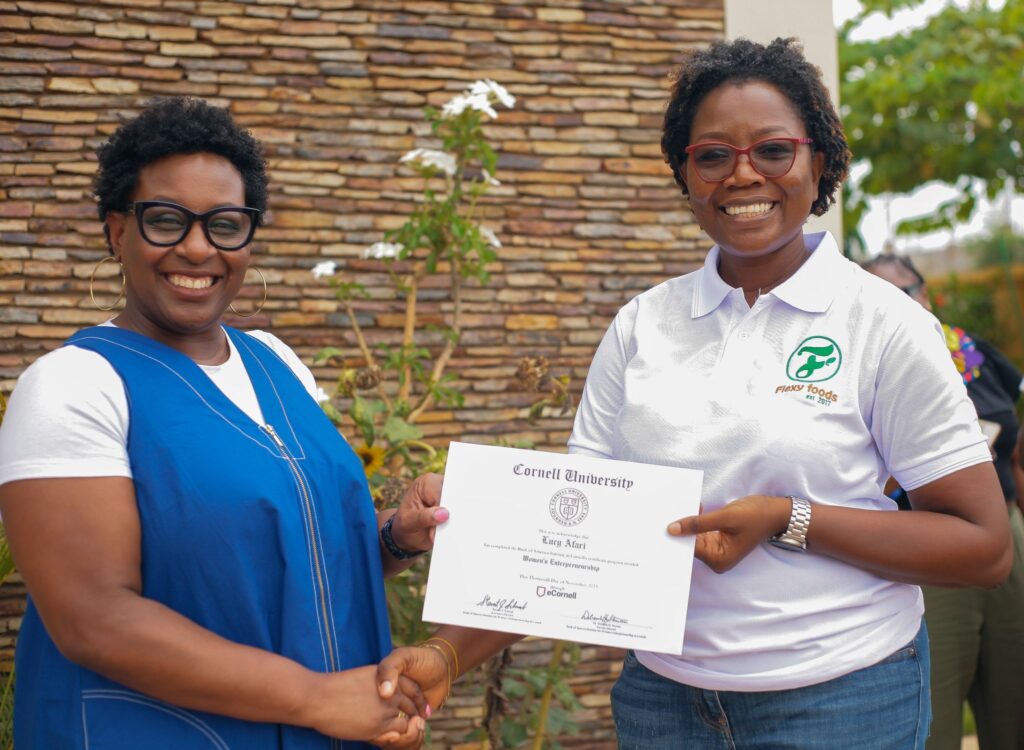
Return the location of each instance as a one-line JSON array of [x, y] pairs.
[[587, 211]]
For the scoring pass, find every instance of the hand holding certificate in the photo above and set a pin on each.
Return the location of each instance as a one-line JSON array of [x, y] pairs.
[[563, 546]]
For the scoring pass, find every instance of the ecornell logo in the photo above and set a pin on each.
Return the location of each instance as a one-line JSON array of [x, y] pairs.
[[816, 359], [561, 593]]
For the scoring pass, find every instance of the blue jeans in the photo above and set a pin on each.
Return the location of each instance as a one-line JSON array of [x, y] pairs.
[[885, 705]]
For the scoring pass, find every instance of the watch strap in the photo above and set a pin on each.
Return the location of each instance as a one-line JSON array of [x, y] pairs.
[[795, 536]]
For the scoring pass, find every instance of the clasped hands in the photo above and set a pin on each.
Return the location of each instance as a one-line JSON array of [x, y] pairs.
[[413, 682], [387, 704]]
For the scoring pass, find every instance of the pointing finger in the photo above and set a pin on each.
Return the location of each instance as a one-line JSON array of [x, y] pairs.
[[691, 525]]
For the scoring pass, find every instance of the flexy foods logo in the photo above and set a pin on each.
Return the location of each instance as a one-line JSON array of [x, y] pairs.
[[817, 358]]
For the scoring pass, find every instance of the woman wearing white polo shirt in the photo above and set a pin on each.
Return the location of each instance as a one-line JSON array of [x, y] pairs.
[[798, 383]]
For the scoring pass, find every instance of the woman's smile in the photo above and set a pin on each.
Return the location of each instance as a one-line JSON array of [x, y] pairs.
[[192, 283], [748, 211]]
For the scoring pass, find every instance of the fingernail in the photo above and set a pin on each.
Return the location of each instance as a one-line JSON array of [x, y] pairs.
[[441, 514], [386, 686], [428, 712], [675, 528]]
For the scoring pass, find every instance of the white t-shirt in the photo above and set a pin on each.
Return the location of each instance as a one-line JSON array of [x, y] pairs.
[[823, 388], [68, 415]]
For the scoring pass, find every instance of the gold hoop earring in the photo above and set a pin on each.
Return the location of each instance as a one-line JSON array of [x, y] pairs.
[[92, 282], [263, 278]]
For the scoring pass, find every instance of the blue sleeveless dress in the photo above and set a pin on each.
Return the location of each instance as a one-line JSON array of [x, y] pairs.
[[263, 534]]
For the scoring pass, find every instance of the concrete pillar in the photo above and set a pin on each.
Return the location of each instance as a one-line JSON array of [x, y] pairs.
[[811, 22]]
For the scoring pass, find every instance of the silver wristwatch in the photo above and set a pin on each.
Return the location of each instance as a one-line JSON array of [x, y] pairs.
[[794, 538]]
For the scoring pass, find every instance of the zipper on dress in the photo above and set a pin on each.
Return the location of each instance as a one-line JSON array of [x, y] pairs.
[[314, 545]]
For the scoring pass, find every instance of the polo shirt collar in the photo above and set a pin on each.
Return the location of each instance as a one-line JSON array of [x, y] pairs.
[[812, 288]]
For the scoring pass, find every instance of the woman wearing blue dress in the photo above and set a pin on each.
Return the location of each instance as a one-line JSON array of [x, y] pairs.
[[204, 562]]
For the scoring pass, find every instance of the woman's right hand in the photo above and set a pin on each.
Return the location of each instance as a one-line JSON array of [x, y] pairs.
[[426, 665], [347, 705], [727, 535]]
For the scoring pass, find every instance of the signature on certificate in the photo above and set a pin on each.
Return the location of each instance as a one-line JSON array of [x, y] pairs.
[[604, 618], [501, 604]]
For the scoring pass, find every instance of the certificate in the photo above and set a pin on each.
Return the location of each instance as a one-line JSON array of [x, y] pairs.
[[563, 546]]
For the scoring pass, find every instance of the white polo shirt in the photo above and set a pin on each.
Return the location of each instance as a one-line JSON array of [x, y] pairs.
[[828, 384]]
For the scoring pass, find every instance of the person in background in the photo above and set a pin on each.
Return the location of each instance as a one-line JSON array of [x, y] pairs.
[[798, 383], [976, 634], [203, 559]]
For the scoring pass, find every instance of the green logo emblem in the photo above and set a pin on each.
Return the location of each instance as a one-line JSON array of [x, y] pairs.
[[817, 358]]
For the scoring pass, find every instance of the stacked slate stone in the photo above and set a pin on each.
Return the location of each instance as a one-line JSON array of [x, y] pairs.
[[587, 211]]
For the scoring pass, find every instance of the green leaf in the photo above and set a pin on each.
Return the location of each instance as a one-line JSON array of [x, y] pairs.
[[488, 157], [363, 412], [559, 720], [512, 733], [538, 679], [564, 693], [350, 290], [514, 688], [332, 413], [328, 352], [397, 430]]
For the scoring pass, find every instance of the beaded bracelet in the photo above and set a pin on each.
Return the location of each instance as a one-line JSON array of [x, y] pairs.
[[392, 547]]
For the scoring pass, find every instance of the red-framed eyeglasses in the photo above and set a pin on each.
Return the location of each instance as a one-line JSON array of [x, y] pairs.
[[770, 157]]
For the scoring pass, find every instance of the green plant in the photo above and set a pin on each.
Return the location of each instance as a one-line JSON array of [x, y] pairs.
[[517, 698], [379, 399], [969, 726], [939, 102], [969, 307], [998, 247]]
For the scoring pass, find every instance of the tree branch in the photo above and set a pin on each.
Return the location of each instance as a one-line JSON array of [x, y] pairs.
[[405, 388], [449, 348], [367, 354]]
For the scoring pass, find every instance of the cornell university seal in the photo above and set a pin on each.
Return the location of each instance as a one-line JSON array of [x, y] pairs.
[[569, 506]]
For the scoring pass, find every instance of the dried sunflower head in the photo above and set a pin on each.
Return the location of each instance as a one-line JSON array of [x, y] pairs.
[[390, 493], [347, 383], [367, 378], [532, 373]]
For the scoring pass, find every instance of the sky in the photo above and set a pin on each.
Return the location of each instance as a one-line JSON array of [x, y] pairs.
[[884, 214]]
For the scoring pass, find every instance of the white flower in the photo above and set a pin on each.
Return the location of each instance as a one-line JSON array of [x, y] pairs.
[[460, 103], [490, 179], [490, 88], [324, 268], [428, 157], [380, 250], [322, 395], [456, 106], [490, 237]]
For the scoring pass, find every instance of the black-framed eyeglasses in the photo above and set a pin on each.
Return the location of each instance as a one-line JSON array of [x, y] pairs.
[[163, 224], [913, 290], [715, 161]]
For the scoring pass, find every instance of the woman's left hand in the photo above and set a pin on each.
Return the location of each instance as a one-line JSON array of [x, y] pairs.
[[419, 514], [411, 739], [727, 535]]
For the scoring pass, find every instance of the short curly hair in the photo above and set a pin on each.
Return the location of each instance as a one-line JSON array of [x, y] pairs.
[[170, 126], [781, 64]]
